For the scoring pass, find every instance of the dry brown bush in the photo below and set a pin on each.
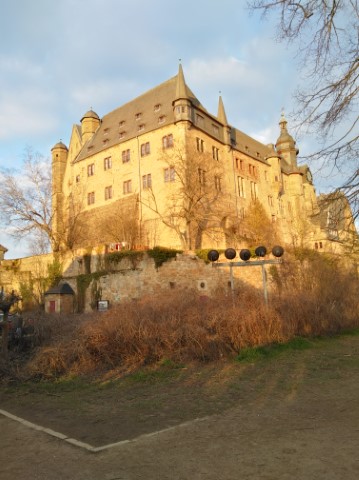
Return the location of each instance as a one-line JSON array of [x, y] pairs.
[[313, 297]]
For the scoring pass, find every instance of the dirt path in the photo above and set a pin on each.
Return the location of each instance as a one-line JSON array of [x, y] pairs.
[[292, 416]]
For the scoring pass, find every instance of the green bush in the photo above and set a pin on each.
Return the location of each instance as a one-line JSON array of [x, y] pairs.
[[162, 254]]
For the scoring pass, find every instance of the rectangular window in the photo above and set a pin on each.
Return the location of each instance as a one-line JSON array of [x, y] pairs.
[[91, 198], [254, 190], [167, 141], [126, 155], [78, 178], [146, 181], [217, 183], [202, 176], [270, 200], [200, 144], [127, 187], [169, 174], [145, 149], [215, 153], [107, 163], [241, 191], [90, 169], [108, 192]]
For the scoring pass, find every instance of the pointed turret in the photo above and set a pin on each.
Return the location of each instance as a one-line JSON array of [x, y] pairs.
[[222, 117], [182, 103], [89, 124], [181, 84], [286, 145]]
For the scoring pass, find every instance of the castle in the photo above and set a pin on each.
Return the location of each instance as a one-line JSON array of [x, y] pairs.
[[162, 170]]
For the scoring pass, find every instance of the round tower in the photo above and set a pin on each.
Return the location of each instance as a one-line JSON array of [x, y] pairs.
[[89, 124], [59, 154]]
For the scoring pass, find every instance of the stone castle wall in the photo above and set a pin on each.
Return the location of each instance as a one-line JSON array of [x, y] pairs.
[[128, 280]]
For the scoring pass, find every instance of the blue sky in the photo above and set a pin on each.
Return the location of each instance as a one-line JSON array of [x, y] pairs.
[[58, 58]]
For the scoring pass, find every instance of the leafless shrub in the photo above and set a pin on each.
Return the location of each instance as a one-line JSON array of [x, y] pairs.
[[313, 297]]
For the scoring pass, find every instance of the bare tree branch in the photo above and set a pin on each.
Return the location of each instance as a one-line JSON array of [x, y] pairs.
[[326, 33]]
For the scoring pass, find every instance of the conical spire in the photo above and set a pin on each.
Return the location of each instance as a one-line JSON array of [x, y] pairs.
[[181, 84], [222, 117]]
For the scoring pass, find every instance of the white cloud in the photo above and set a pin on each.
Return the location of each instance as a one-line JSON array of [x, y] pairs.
[[26, 113], [227, 72], [267, 135]]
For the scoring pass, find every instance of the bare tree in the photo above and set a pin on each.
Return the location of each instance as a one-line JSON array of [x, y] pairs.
[[122, 226], [25, 199], [257, 226], [74, 227], [194, 190], [327, 35]]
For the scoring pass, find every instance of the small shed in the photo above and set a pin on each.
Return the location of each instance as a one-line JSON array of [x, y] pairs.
[[60, 299]]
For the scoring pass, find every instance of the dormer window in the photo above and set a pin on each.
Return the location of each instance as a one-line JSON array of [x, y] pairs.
[[122, 134], [138, 116], [157, 107], [161, 119], [141, 127], [215, 129], [122, 123], [199, 120], [105, 132]]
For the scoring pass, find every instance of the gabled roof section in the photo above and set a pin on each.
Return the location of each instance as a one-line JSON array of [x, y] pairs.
[[61, 289]]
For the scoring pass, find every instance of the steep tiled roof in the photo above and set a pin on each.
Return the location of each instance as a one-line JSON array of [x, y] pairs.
[[151, 110], [154, 109]]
